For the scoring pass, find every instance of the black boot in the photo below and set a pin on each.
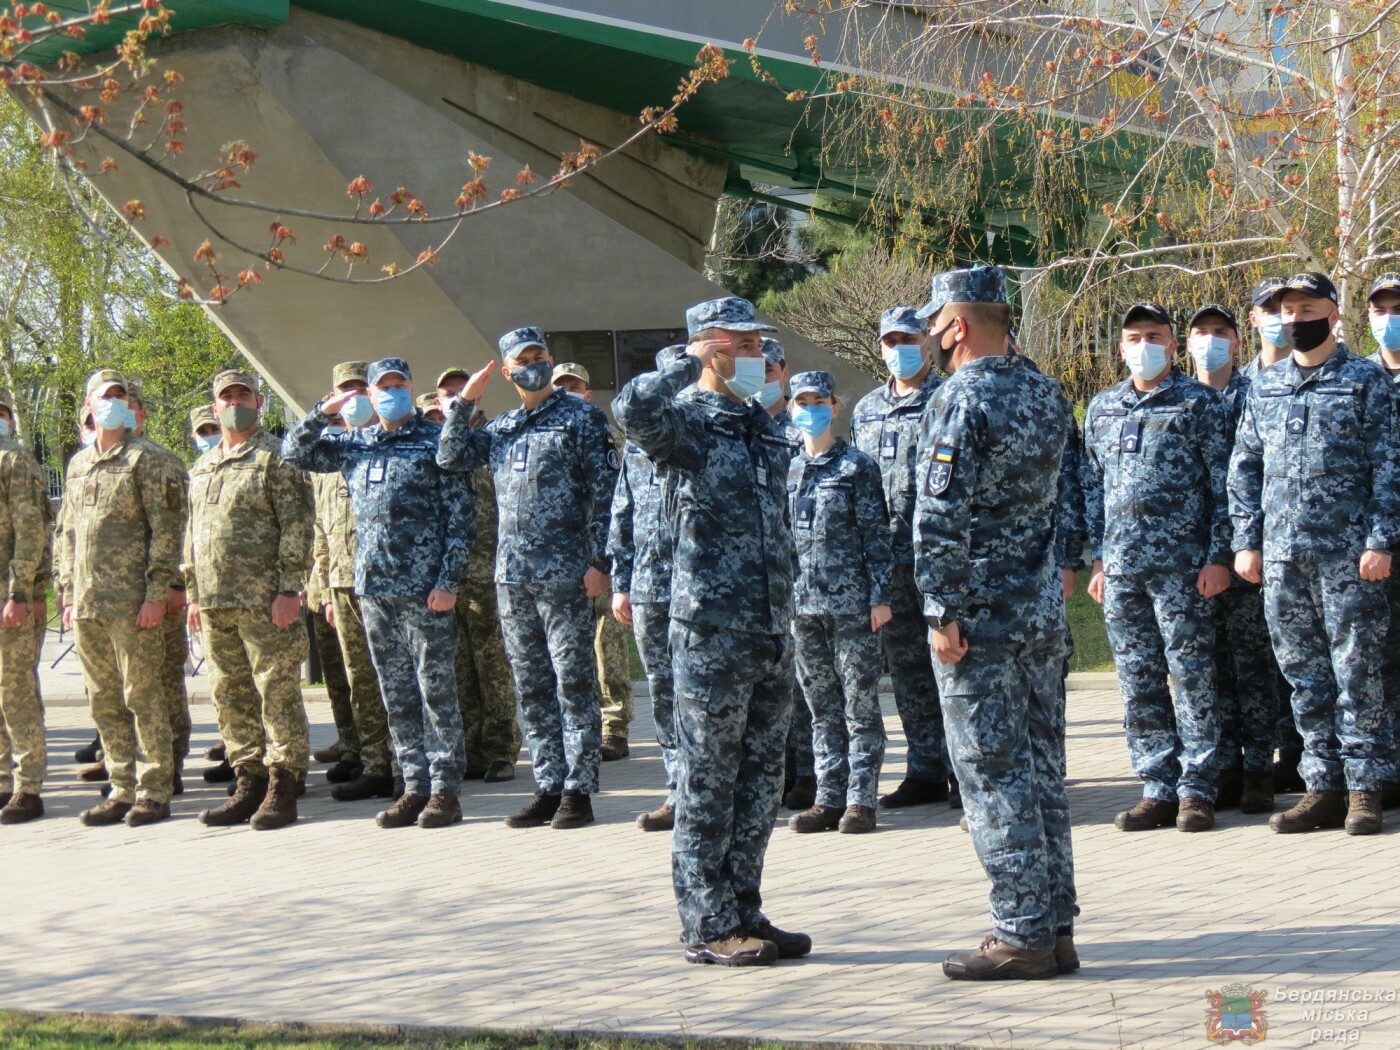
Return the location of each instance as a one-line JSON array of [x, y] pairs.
[[363, 788], [575, 811], [88, 753], [915, 792], [538, 813]]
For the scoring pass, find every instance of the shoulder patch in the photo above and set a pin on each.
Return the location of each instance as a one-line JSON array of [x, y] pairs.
[[614, 460], [940, 473]]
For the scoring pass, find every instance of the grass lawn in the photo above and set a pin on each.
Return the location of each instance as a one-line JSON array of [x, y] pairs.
[[1091, 652]]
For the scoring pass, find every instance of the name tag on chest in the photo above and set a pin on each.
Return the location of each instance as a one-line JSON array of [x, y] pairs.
[[806, 512], [1297, 418], [1132, 435], [889, 444], [519, 456], [760, 471], [376, 472]]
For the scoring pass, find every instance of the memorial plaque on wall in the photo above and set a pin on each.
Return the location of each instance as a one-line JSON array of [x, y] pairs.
[[593, 350], [637, 347]]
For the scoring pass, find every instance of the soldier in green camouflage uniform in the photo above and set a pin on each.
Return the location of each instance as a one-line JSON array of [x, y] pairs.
[[485, 685], [24, 543], [120, 524], [247, 552]]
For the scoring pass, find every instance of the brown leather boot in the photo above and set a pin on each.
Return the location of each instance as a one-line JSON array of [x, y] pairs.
[[441, 811], [857, 820], [105, 813], [1364, 813], [1258, 793], [1316, 809], [737, 949], [147, 811], [817, 818], [248, 795], [404, 812], [279, 807], [1147, 814], [21, 807], [662, 818], [1066, 956], [1195, 814], [995, 960], [93, 774]]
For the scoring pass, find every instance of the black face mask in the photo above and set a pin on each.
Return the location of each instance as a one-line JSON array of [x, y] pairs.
[[1304, 336], [942, 359]]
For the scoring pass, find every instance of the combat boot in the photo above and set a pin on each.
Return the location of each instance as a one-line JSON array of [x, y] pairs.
[[220, 774], [735, 949], [325, 756], [575, 811], [663, 818], [1229, 786], [93, 774], [1315, 810], [217, 753], [615, 748], [915, 792], [363, 788], [404, 812], [89, 752], [440, 812], [1147, 814], [1195, 814], [539, 812], [344, 771], [816, 818], [177, 778], [803, 794], [1066, 957], [995, 960], [5, 797], [857, 820], [790, 945], [1287, 779], [279, 807], [1364, 813], [499, 772], [1257, 794], [105, 813], [147, 811], [22, 807], [247, 797]]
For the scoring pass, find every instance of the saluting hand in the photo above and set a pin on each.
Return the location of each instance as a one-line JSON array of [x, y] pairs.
[[333, 402], [476, 385], [706, 349]]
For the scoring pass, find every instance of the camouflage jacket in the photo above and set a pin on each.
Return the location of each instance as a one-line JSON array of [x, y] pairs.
[[1314, 472], [25, 535], [886, 427], [841, 532], [1232, 400], [1154, 476], [120, 527], [251, 525], [724, 469], [989, 493], [414, 522], [639, 543], [481, 563], [335, 544], [554, 467]]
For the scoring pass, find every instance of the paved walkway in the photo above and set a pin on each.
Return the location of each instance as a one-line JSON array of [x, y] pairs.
[[337, 920]]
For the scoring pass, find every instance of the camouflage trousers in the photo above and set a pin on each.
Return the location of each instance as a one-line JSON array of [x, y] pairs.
[[172, 680], [733, 701], [326, 639], [371, 724], [1390, 673], [799, 755], [122, 672], [255, 682], [414, 650], [910, 662], [614, 669], [1247, 678], [1004, 706], [838, 668], [485, 687], [1160, 626], [549, 639], [651, 625], [24, 754], [1328, 625]]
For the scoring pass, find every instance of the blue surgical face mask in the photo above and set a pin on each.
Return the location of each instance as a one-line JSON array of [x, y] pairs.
[[812, 420], [87, 437], [130, 418], [1386, 329], [335, 430], [109, 413], [1210, 352], [393, 404], [748, 376], [205, 442], [1271, 329], [532, 377], [904, 361], [1146, 361], [4, 427], [357, 411], [771, 393]]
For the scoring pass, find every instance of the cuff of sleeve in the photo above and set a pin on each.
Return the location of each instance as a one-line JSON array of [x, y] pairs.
[[294, 584], [157, 593], [934, 609], [19, 589]]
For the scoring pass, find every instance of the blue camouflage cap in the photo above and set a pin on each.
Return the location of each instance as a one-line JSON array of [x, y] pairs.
[[823, 384], [773, 352], [385, 365], [904, 319], [730, 313], [517, 339], [979, 284], [1315, 285], [667, 354], [1386, 282], [1265, 291]]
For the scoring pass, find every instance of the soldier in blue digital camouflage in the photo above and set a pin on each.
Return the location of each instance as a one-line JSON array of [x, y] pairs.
[[1315, 500], [1157, 448], [415, 524], [639, 544], [1246, 672], [984, 536], [724, 465], [842, 536], [555, 466], [885, 426]]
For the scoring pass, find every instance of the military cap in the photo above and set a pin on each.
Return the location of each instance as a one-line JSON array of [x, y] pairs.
[[569, 368], [103, 380], [901, 319], [387, 366], [772, 351], [823, 384], [729, 313], [233, 377], [453, 371], [667, 354], [1223, 312], [426, 401], [980, 284], [1146, 312], [1386, 282], [1314, 285], [349, 372], [202, 416], [517, 339], [1265, 291]]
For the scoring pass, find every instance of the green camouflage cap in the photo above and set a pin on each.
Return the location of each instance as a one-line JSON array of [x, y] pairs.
[[426, 401], [350, 371], [202, 416], [103, 380], [233, 377]]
